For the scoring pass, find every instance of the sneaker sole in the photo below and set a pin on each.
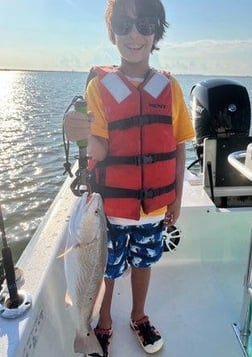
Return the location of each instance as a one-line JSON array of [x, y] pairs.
[[148, 348]]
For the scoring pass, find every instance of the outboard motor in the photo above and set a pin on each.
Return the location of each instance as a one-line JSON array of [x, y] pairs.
[[220, 108]]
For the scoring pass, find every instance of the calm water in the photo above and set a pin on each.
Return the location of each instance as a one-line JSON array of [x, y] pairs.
[[32, 105]]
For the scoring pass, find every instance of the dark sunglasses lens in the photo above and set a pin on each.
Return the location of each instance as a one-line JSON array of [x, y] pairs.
[[121, 27], [145, 26]]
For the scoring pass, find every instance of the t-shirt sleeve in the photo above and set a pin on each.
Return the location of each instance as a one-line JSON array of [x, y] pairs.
[[181, 120], [99, 126]]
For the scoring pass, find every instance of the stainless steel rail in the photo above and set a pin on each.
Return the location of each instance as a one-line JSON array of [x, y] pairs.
[[243, 329], [246, 310], [235, 160]]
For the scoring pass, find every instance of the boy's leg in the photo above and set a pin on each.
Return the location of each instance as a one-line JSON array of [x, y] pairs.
[[103, 329], [146, 247], [105, 319], [117, 250], [140, 278], [147, 334]]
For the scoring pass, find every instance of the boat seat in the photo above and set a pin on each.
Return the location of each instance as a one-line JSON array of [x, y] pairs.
[[226, 180]]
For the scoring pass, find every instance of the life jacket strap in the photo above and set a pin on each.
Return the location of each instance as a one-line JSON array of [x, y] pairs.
[[139, 120], [142, 194], [137, 160]]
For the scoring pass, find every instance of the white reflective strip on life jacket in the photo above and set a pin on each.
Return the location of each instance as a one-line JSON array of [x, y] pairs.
[[156, 84], [116, 87]]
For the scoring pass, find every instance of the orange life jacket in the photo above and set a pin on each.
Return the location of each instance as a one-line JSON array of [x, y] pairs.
[[141, 163]]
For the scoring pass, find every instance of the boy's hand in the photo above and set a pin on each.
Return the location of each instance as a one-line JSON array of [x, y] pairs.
[[172, 214], [77, 125]]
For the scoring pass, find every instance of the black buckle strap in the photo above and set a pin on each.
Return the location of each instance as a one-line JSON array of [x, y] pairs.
[[147, 159], [143, 194], [138, 121], [138, 160], [153, 192]]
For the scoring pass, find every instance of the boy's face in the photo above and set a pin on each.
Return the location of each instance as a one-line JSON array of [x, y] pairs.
[[134, 36]]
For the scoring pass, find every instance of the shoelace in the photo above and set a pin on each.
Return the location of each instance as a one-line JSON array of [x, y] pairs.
[[147, 332]]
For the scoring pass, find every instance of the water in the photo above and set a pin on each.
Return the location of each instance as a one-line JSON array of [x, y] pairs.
[[32, 106]]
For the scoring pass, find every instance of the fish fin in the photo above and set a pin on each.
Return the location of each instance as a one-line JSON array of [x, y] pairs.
[[65, 252], [98, 301], [68, 300], [87, 344]]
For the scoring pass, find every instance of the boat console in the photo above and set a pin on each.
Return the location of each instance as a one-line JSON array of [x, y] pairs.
[[221, 115]]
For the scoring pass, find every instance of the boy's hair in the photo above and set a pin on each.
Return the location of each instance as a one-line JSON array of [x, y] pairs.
[[144, 8]]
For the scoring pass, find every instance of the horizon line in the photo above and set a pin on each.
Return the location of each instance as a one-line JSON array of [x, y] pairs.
[[84, 71]]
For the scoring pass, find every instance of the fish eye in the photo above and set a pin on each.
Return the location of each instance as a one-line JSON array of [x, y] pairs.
[[97, 211]]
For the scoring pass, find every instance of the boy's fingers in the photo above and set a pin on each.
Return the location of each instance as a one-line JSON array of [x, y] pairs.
[[90, 117], [76, 126]]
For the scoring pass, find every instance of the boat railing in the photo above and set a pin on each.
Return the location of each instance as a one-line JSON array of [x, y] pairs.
[[223, 182], [243, 329], [235, 159]]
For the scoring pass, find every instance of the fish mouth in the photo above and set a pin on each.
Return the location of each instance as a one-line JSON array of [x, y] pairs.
[[90, 198]]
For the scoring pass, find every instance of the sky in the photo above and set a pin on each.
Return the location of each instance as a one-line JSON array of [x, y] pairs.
[[204, 37]]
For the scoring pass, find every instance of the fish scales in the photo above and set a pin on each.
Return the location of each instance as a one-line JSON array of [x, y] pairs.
[[85, 261]]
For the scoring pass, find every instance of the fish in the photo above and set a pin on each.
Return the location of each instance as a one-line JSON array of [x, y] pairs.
[[85, 259]]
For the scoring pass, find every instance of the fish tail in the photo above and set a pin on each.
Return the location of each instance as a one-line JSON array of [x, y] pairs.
[[87, 344]]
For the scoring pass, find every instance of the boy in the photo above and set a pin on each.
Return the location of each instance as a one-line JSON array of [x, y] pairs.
[[138, 129]]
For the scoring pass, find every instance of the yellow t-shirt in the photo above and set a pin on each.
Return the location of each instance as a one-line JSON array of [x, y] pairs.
[[181, 121]]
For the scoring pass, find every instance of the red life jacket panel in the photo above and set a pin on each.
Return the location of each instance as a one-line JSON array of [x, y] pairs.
[[140, 168]]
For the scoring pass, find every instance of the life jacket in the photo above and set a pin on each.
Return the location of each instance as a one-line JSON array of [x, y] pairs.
[[140, 167]]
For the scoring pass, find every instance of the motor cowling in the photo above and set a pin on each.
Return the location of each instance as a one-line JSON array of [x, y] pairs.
[[220, 108]]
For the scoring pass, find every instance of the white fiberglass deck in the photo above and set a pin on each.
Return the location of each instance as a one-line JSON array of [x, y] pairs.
[[193, 305], [195, 293]]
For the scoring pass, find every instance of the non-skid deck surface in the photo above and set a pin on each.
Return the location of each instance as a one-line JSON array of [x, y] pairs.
[[193, 305]]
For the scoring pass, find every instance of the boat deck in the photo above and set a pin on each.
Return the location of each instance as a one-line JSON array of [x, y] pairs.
[[195, 294], [193, 306]]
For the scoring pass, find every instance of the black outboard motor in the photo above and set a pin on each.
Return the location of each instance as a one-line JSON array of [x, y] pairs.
[[220, 108]]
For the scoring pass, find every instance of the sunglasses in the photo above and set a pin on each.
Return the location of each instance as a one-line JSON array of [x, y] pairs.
[[122, 26]]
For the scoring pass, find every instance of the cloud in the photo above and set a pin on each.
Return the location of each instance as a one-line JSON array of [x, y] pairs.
[[85, 58], [62, 58], [193, 57], [207, 57]]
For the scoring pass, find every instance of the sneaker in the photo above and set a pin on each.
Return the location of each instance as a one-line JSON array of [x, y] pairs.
[[148, 336], [104, 336]]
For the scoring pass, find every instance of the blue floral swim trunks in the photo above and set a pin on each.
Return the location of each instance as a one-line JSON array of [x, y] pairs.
[[138, 246]]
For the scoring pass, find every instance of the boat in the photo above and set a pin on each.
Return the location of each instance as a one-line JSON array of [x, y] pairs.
[[200, 292]]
